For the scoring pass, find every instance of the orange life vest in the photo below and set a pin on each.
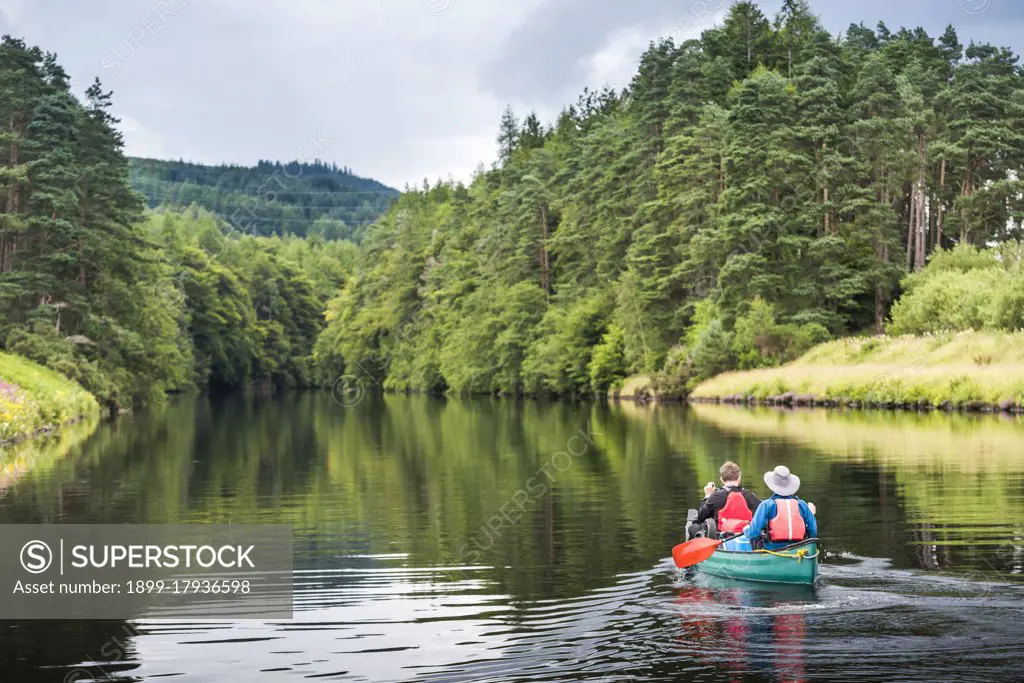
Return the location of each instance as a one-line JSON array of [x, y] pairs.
[[735, 514], [788, 524]]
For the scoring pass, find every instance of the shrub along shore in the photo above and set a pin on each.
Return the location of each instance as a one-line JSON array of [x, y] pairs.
[[36, 400], [973, 371]]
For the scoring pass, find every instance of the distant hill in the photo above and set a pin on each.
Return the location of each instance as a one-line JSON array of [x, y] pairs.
[[270, 198]]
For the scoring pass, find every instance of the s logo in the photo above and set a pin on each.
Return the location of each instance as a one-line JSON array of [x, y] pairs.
[[36, 557]]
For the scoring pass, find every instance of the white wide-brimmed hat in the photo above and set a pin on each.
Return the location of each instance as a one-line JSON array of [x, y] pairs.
[[782, 481]]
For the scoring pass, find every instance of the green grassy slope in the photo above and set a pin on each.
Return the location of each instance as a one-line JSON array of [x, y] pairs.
[[33, 398], [962, 368]]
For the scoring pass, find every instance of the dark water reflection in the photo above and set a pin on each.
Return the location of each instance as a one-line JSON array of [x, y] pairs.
[[505, 541]]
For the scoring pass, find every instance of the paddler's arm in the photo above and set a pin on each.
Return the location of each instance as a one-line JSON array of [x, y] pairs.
[[705, 511]]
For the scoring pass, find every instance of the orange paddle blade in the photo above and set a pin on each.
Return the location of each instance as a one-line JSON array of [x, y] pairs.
[[693, 552]]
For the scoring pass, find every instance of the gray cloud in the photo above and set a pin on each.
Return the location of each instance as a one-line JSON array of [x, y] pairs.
[[406, 88]]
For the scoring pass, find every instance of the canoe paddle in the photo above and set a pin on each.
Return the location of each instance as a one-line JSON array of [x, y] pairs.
[[694, 552]]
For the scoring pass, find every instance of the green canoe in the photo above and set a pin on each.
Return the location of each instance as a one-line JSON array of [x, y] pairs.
[[797, 564]]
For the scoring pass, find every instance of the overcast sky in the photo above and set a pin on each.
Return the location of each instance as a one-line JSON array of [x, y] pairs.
[[397, 90]]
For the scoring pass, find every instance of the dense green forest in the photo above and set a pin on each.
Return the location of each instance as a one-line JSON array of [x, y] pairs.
[[751, 193], [272, 198], [133, 304]]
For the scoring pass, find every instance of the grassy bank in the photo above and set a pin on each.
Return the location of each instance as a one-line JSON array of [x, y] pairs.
[[966, 370], [35, 399], [637, 388]]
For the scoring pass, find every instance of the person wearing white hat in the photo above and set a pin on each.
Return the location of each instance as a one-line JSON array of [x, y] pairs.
[[783, 518]]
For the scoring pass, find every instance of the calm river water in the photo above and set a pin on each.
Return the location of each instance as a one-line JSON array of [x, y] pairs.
[[445, 540]]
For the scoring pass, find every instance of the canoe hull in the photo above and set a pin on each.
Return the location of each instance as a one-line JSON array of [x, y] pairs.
[[765, 567]]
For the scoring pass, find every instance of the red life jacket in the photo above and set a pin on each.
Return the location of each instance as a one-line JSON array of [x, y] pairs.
[[735, 514], [788, 524]]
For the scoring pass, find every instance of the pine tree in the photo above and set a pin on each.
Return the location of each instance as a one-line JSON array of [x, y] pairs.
[[52, 233], [532, 135], [880, 131], [692, 177], [952, 50], [508, 135], [536, 219], [984, 140], [744, 39], [795, 27], [764, 209], [820, 105], [21, 86]]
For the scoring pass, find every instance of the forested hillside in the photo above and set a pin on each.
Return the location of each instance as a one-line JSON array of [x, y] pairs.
[[129, 304], [271, 198], [751, 193]]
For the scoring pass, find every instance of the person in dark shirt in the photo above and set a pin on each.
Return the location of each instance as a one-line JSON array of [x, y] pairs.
[[715, 500]]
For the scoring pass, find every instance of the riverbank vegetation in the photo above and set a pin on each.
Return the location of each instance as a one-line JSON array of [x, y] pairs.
[[936, 358], [975, 370], [34, 399], [249, 308], [962, 289], [129, 304], [751, 193]]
